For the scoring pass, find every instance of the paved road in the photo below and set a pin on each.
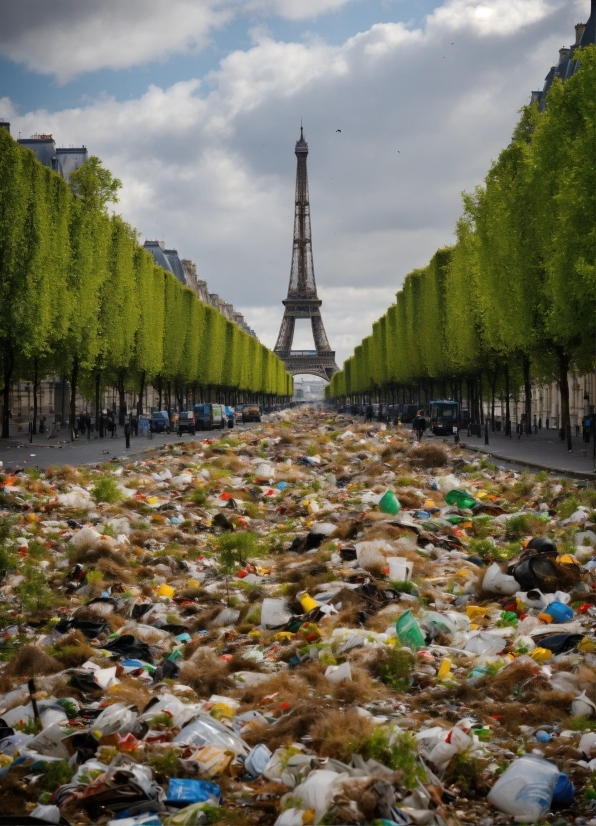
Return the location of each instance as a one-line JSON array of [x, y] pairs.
[[43, 452]]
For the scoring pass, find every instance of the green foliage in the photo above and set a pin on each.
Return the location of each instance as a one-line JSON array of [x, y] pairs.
[[396, 669], [34, 591], [28, 726], [482, 548], [56, 774], [397, 753], [518, 526], [406, 587], [235, 548], [567, 507], [465, 772], [7, 558], [95, 185], [106, 489], [161, 720], [198, 496], [481, 527]]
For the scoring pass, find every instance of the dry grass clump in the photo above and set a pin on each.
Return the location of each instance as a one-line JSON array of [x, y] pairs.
[[206, 674], [552, 707], [14, 792], [429, 455], [67, 474], [283, 687], [72, 650], [288, 729], [335, 732], [131, 692], [382, 530], [113, 572], [29, 662]]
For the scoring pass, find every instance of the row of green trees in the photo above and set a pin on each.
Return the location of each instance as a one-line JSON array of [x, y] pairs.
[[514, 299], [80, 298]]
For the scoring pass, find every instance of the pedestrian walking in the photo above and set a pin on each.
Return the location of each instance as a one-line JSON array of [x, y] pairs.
[[82, 424], [419, 425], [521, 426], [135, 425], [369, 412], [127, 433]]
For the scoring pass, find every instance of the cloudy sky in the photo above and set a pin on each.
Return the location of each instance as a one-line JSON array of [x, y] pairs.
[[196, 105]]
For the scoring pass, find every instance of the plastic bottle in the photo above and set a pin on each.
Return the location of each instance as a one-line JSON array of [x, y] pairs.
[[460, 499], [525, 790]]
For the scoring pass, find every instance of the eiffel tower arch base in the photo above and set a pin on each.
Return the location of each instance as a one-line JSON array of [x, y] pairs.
[[311, 363]]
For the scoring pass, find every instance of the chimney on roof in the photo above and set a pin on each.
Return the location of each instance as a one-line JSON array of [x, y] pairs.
[[563, 54], [579, 30]]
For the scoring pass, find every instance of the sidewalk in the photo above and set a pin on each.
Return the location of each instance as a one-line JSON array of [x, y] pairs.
[[545, 451], [43, 452]]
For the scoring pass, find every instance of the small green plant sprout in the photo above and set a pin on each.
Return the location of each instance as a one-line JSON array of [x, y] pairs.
[[403, 587], [198, 496], [7, 558], [106, 490], [396, 669], [235, 548], [95, 577], [33, 590]]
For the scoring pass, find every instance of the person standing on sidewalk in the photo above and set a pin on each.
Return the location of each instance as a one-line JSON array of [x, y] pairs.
[[419, 425]]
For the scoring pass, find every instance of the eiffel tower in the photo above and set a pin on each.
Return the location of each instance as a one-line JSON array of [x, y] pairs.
[[302, 300]]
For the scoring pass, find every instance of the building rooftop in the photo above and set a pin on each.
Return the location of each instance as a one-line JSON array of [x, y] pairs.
[[585, 35]]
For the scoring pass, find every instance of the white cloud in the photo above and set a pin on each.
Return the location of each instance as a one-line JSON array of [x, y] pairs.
[[492, 17], [209, 167], [66, 38]]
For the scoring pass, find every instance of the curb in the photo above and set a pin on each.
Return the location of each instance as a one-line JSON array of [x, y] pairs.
[[576, 474]]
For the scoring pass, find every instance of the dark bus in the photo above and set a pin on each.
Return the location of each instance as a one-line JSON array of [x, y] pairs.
[[444, 417]]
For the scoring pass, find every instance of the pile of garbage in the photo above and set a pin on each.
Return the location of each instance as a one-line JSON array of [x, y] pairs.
[[315, 621]]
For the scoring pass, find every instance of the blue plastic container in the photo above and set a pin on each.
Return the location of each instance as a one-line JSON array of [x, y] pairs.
[[559, 612], [564, 792], [184, 791]]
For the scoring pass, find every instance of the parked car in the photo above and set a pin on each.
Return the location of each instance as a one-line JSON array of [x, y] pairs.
[[230, 416], [238, 409], [160, 421], [209, 416], [186, 423], [251, 413]]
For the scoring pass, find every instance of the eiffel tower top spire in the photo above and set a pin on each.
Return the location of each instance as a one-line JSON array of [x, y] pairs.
[[302, 300], [302, 274]]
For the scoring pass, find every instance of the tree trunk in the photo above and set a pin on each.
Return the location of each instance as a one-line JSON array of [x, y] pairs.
[[121, 399], [73, 396], [159, 392], [507, 407], [141, 391], [528, 392], [97, 401], [8, 369], [564, 389], [35, 388], [493, 387]]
